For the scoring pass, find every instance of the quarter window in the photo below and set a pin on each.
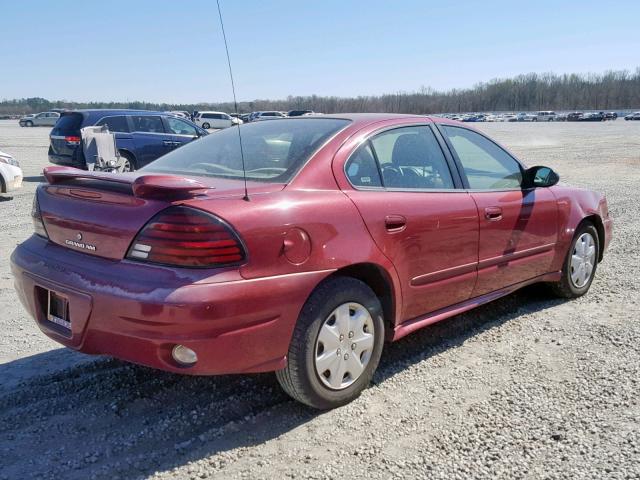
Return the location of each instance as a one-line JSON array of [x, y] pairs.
[[486, 165], [115, 124], [362, 169], [410, 157], [147, 123]]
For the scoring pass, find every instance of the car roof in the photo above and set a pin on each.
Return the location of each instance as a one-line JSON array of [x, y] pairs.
[[115, 111]]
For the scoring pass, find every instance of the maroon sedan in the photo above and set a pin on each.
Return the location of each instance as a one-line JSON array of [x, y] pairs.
[[353, 229]]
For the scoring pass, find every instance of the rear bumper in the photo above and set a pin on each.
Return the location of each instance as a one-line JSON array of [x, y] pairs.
[[138, 313]]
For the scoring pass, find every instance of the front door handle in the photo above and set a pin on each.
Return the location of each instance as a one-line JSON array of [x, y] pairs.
[[395, 223], [493, 214]]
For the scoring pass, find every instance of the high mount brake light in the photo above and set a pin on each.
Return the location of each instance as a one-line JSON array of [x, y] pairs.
[[38, 224], [187, 237]]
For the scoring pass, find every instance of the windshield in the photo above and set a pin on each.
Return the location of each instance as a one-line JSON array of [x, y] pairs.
[[273, 151]]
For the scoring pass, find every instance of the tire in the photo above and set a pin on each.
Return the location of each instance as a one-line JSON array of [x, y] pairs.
[[28, 123], [130, 160], [301, 378], [567, 287], [206, 126]]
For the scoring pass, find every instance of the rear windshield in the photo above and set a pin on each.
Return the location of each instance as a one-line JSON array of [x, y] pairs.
[[69, 122], [273, 151]]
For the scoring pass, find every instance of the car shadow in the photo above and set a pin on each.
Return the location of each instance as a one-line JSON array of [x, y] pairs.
[[103, 418], [34, 179]]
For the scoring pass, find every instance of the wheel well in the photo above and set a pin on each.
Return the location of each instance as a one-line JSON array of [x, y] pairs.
[[3, 186], [378, 280], [597, 222], [128, 154]]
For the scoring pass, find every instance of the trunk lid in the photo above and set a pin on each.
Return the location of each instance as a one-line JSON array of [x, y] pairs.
[[101, 213]]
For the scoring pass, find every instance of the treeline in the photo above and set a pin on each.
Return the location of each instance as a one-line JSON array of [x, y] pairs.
[[609, 91]]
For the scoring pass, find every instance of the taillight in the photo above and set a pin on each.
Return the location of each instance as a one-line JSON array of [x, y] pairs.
[[187, 237], [72, 140], [38, 224]]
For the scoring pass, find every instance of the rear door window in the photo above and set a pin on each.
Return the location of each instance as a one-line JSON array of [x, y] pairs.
[[410, 157], [147, 123], [115, 124]]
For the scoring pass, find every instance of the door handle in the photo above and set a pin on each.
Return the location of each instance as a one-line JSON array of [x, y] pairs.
[[493, 214], [395, 223], [168, 143]]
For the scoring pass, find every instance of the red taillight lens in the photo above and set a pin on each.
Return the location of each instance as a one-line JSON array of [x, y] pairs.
[[72, 139], [38, 224], [187, 237]]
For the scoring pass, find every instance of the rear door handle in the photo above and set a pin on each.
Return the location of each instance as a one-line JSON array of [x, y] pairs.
[[395, 223], [493, 214]]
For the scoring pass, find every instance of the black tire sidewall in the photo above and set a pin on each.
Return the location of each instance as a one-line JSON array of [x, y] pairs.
[[206, 126], [584, 228], [340, 291]]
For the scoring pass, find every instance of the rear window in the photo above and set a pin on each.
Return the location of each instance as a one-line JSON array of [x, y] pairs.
[[69, 122], [273, 151]]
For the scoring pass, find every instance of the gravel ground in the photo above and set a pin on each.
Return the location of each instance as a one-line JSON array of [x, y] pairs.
[[526, 387]]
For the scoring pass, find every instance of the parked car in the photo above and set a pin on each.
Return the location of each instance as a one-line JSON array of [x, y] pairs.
[[526, 117], [269, 115], [592, 117], [611, 116], [299, 113], [141, 135], [10, 173], [545, 116], [180, 113], [44, 119], [215, 120], [561, 117], [633, 116], [369, 226], [574, 116], [244, 117]]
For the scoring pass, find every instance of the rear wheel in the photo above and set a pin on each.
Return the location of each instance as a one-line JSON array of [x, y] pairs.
[[336, 345], [580, 264], [206, 126], [127, 163]]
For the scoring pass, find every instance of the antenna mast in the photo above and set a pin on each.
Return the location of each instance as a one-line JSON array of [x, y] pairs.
[[235, 103]]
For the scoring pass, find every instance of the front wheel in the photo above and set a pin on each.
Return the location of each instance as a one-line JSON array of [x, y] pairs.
[[206, 126], [580, 264], [28, 123], [336, 345]]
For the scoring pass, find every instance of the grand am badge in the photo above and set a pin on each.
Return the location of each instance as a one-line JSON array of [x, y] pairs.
[[79, 244]]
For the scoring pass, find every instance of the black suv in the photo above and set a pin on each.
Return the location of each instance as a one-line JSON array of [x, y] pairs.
[[141, 135]]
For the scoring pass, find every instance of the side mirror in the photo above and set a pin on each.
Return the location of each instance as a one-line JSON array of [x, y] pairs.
[[539, 177]]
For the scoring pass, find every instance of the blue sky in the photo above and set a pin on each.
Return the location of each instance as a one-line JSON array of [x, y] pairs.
[[159, 50]]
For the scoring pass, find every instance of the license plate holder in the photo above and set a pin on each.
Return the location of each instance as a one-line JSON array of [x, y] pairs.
[[58, 310]]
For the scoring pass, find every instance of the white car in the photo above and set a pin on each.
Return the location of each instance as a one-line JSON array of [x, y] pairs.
[[10, 173], [180, 113], [215, 120]]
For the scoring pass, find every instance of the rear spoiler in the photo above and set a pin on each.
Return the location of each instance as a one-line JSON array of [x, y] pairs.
[[142, 186]]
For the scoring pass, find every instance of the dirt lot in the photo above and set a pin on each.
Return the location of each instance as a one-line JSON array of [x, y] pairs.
[[526, 387]]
